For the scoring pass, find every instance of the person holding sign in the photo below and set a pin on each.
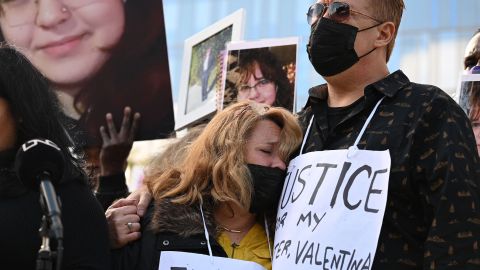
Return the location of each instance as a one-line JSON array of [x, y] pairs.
[[100, 65], [388, 176], [99, 57], [221, 198]]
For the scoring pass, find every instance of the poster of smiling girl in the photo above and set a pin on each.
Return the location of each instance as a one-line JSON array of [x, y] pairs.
[[100, 56]]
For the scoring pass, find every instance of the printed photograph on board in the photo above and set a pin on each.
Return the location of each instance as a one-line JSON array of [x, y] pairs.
[[201, 69], [204, 68], [100, 57], [262, 71]]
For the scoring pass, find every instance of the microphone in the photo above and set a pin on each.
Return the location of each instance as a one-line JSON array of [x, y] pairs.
[[38, 164]]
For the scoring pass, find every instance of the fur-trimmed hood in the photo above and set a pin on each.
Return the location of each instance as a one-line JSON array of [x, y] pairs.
[[184, 220]]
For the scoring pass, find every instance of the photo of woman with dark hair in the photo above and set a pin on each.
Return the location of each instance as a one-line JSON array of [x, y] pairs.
[[100, 56], [262, 79], [262, 74]]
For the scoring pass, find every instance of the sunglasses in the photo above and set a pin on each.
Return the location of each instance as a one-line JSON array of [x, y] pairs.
[[337, 11]]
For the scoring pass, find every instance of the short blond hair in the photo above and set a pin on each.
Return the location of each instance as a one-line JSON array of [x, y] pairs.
[[215, 164], [388, 11]]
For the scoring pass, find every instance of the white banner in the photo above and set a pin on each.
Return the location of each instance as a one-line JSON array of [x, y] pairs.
[[174, 260], [331, 210]]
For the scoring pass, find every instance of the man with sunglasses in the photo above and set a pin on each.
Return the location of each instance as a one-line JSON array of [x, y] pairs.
[[432, 218]]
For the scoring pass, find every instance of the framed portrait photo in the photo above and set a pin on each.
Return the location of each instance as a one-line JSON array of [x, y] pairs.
[[263, 71], [201, 68]]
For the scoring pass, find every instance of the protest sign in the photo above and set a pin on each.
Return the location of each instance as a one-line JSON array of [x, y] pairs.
[[331, 210], [173, 260]]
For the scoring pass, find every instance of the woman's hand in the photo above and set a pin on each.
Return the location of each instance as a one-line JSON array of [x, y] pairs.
[[123, 223], [143, 197], [123, 217]]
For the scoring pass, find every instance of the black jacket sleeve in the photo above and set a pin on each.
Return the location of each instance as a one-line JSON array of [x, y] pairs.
[[111, 188], [86, 244]]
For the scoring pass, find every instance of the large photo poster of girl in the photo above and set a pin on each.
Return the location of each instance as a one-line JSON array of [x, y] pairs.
[[100, 57]]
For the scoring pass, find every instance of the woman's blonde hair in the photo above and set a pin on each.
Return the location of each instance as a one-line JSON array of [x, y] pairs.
[[215, 164], [173, 154]]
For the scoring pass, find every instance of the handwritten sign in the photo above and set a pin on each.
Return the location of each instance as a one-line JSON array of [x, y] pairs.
[[174, 260], [331, 210]]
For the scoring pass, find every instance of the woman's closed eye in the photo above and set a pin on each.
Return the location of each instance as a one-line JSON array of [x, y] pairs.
[[266, 151]]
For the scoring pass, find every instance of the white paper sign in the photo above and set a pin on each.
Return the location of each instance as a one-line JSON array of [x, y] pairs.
[[331, 210], [174, 260]]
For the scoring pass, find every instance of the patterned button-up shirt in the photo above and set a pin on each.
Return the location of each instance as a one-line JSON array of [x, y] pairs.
[[432, 220]]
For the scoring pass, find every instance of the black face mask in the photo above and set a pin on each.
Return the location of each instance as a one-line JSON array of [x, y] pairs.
[[267, 188], [331, 46]]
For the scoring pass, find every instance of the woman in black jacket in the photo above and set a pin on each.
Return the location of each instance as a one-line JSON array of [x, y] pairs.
[[29, 110]]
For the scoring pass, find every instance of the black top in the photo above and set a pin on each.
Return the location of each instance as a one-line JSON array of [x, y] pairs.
[[432, 216], [336, 114], [85, 229], [111, 188]]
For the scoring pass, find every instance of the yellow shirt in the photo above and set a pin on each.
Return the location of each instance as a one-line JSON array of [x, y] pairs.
[[253, 247]]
